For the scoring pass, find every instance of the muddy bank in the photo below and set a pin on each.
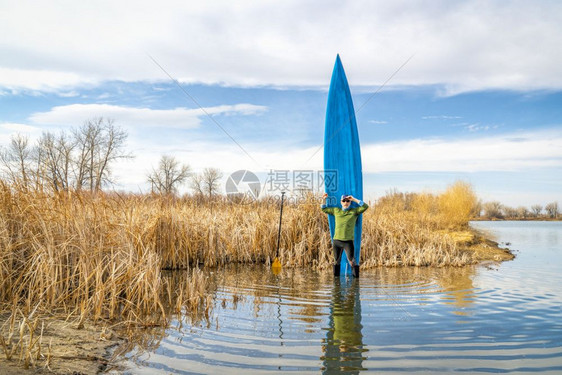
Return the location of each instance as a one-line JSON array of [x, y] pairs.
[[480, 247], [61, 349]]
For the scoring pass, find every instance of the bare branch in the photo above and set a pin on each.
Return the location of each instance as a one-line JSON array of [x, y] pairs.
[[169, 175], [16, 160], [99, 143]]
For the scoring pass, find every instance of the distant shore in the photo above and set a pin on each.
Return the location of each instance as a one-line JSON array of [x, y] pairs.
[[516, 219]]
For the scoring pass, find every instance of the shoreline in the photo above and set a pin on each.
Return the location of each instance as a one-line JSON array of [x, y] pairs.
[[484, 249], [518, 219], [65, 349]]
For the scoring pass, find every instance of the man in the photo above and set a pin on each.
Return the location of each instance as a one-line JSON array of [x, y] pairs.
[[344, 233]]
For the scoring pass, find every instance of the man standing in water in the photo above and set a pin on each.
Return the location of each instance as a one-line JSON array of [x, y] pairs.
[[344, 233]]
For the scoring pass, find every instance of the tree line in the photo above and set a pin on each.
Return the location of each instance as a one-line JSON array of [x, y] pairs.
[[79, 159], [82, 159], [496, 210], [170, 174]]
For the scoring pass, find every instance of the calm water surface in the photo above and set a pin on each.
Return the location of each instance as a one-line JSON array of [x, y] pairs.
[[504, 318]]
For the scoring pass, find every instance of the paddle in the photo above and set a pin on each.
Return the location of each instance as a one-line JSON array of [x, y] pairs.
[[276, 266]]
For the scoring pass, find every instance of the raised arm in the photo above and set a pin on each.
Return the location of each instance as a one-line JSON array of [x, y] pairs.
[[324, 207], [362, 205]]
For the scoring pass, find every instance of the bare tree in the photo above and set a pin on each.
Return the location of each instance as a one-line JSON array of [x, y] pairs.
[[207, 182], [53, 156], [169, 174], [16, 160], [111, 149], [509, 212], [478, 208], [196, 184], [99, 143], [211, 178], [537, 209], [493, 210], [85, 138], [522, 212], [552, 210]]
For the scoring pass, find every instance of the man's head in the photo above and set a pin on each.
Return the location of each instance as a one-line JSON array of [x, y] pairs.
[[345, 201]]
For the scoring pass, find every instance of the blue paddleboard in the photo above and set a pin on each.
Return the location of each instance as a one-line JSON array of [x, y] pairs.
[[342, 154]]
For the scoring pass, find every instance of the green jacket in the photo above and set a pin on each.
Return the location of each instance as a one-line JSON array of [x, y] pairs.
[[345, 220]]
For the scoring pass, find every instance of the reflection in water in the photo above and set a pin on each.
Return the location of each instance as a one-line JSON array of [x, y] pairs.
[[457, 287], [343, 347]]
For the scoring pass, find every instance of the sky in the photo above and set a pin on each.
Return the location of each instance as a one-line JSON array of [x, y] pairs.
[[443, 90]]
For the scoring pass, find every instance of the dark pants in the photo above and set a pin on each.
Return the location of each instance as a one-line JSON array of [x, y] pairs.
[[339, 246]]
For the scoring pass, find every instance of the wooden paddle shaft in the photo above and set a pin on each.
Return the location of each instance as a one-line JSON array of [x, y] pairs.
[[280, 216]]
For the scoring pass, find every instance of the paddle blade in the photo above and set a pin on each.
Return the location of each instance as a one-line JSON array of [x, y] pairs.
[[276, 266]]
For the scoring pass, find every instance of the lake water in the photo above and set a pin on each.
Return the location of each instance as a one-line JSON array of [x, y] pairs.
[[496, 318]]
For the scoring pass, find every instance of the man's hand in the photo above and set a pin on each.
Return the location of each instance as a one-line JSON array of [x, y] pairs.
[[325, 195], [352, 198]]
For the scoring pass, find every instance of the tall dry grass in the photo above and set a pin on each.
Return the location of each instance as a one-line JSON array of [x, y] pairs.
[[90, 257], [101, 256], [418, 229]]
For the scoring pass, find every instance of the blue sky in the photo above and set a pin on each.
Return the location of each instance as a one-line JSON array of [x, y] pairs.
[[480, 100]]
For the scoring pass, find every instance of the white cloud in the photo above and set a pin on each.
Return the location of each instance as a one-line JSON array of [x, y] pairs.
[[19, 128], [74, 114], [469, 45], [440, 117], [477, 127], [509, 152], [9, 129], [40, 80], [69, 94]]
